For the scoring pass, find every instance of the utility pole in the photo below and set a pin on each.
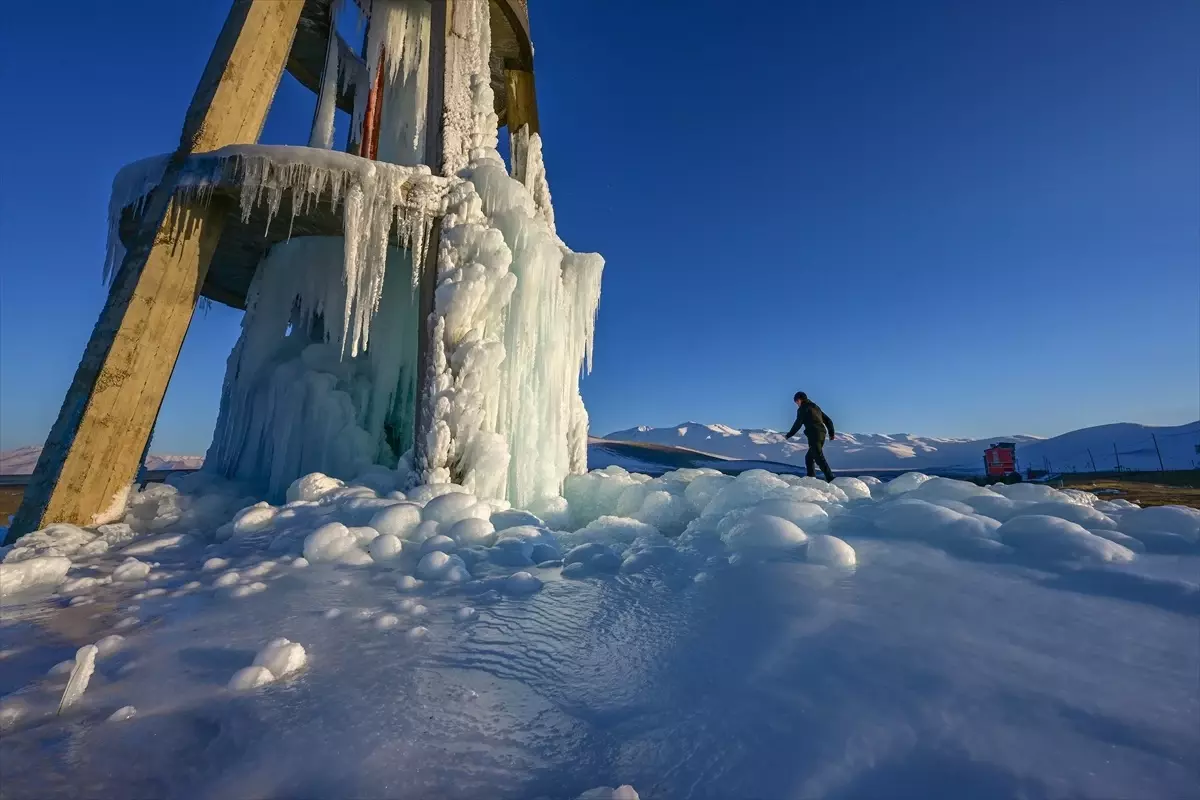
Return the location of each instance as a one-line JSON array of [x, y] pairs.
[[1093, 460], [1161, 468], [1117, 456]]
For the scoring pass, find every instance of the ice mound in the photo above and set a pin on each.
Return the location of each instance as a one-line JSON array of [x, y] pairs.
[[250, 678], [934, 489], [809, 516], [55, 540], [440, 566], [385, 548], [399, 519], [854, 488], [520, 583], [905, 483], [830, 551], [472, 532], [1178, 520], [282, 657], [1036, 493], [278, 659], [1056, 539], [1082, 515], [913, 518], [30, 573], [754, 486], [680, 524], [761, 531], [312, 487], [109, 645], [332, 543], [996, 506]]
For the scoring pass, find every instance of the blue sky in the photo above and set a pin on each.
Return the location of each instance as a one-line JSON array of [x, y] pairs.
[[947, 218]]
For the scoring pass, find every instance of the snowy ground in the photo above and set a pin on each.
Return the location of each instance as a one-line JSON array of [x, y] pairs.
[[746, 653]]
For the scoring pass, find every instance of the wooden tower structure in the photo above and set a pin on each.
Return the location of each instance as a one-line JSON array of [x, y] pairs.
[[180, 249]]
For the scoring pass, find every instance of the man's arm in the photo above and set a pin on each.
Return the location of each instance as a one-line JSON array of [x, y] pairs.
[[829, 425], [796, 425]]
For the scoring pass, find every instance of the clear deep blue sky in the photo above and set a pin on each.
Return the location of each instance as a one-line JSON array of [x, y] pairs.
[[942, 217]]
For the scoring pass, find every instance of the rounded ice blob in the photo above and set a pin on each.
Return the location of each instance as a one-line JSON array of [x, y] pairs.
[[385, 548], [329, 543], [1056, 539], [522, 583], [282, 657], [764, 531], [249, 678], [311, 487], [830, 551]]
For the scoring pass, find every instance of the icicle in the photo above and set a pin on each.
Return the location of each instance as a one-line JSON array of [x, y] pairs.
[[529, 167], [322, 129], [399, 43], [131, 187], [291, 403]]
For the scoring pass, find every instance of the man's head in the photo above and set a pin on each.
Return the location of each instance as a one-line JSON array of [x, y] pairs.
[[800, 398]]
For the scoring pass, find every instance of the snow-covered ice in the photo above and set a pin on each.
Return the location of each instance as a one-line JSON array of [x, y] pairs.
[[18, 576], [906, 639]]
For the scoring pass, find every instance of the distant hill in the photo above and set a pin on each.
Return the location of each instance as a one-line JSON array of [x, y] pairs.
[[877, 451], [22, 460], [696, 444]]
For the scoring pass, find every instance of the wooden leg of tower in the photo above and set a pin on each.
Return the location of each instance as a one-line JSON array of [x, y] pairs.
[[520, 101], [521, 117], [94, 447]]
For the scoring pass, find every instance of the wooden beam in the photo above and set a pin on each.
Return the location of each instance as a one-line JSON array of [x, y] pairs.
[[520, 101], [94, 447]]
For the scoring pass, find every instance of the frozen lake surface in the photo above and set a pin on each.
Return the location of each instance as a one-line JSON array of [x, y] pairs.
[[918, 675]]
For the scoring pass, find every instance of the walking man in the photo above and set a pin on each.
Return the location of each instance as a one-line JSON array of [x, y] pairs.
[[816, 424]]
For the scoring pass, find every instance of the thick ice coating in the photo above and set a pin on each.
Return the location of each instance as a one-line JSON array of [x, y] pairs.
[[325, 376]]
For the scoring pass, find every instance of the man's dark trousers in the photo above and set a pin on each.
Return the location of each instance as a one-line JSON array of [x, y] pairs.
[[815, 457]]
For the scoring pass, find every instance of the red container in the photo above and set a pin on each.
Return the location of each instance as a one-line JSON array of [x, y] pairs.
[[1000, 459]]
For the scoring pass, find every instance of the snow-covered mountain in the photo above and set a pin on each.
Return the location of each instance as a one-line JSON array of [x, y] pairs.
[[22, 460], [1134, 445]]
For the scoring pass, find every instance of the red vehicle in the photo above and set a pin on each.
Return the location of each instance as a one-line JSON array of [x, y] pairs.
[[1000, 460]]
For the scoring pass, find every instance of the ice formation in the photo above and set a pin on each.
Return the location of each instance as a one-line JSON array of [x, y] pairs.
[[784, 576], [325, 377], [81, 675], [398, 42]]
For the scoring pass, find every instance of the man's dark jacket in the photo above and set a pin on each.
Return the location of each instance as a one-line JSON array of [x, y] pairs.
[[814, 421]]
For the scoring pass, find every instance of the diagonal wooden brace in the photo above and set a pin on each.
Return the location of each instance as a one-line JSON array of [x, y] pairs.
[[91, 455]]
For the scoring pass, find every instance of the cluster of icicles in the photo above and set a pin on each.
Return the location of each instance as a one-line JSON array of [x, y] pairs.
[[381, 205]]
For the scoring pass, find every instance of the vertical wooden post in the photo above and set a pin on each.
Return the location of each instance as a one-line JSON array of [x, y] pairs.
[[1161, 468], [521, 118], [372, 113], [520, 101], [1117, 456], [439, 32], [94, 448]]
